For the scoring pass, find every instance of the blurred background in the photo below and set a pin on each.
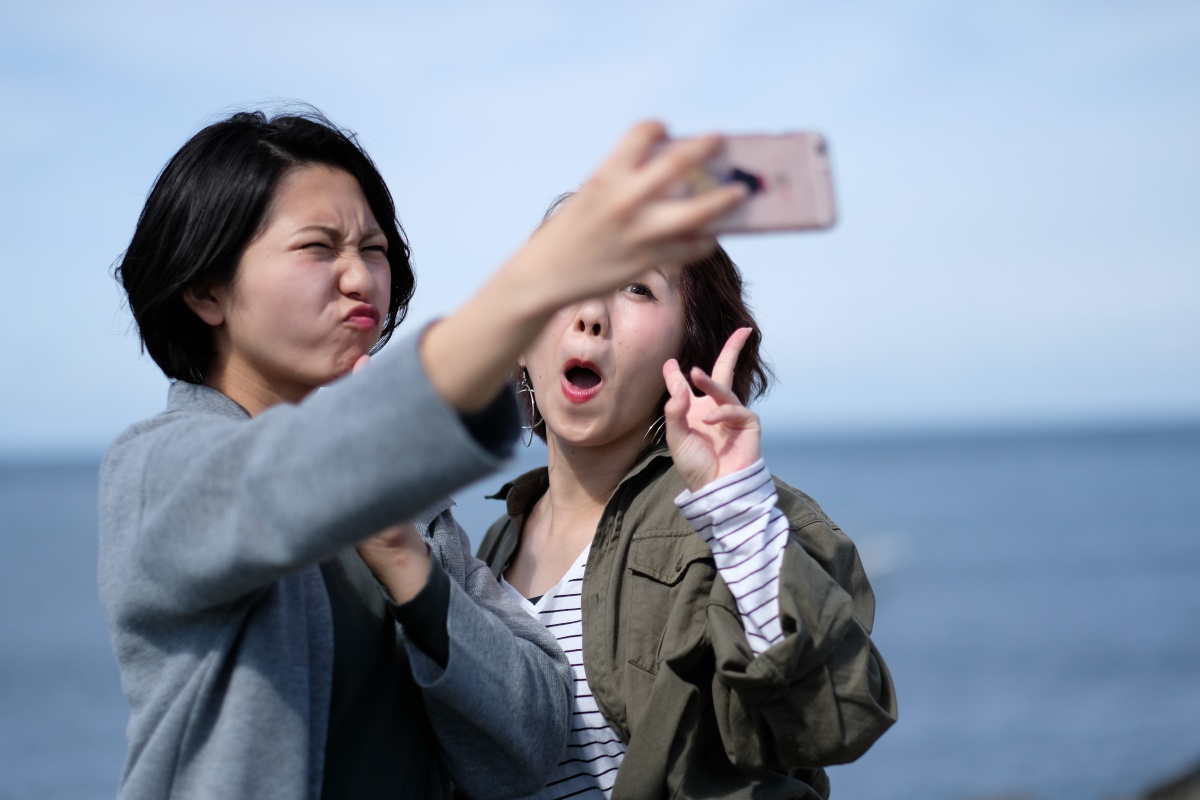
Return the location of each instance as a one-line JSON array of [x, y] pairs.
[[988, 372]]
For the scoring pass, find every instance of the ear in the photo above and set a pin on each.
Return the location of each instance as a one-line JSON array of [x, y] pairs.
[[205, 304], [521, 361]]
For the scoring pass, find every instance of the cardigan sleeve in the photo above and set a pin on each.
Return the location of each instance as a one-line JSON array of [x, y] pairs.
[[209, 506], [500, 706], [821, 693]]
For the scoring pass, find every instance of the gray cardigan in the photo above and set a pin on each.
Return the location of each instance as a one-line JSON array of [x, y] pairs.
[[212, 525]]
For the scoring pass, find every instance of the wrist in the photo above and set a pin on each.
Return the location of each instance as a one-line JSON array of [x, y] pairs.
[[407, 574], [424, 617], [696, 481], [717, 481], [469, 355]]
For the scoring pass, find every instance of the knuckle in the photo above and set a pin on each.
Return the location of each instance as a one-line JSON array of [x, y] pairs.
[[650, 129], [679, 159]]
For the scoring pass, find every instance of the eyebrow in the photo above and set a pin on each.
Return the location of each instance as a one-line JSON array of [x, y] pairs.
[[334, 233]]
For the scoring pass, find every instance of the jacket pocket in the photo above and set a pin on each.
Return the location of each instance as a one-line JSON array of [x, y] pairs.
[[667, 582], [666, 597]]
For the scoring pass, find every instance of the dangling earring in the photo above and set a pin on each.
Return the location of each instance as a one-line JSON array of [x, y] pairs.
[[658, 427], [533, 418]]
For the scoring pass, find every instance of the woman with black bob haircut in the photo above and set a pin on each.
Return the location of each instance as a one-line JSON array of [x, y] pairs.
[[716, 620], [208, 204], [240, 529]]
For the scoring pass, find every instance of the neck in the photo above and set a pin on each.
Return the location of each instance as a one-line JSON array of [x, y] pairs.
[[250, 390], [564, 520], [582, 479]]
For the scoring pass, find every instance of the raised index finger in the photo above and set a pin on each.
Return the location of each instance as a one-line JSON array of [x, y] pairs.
[[722, 371]]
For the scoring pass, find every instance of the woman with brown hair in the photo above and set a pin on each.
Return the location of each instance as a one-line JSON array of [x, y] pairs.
[[716, 620]]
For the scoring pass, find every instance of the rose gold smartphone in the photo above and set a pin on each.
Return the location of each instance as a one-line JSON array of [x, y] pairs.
[[788, 178]]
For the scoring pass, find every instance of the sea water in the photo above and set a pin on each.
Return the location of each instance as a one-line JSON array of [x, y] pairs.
[[1038, 606]]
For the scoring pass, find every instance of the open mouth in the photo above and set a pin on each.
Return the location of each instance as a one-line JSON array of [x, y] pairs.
[[582, 377], [581, 380]]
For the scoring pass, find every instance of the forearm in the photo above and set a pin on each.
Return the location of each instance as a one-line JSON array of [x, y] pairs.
[[499, 703], [219, 507], [617, 225], [737, 516], [424, 615], [838, 711], [820, 696], [469, 354], [499, 707]]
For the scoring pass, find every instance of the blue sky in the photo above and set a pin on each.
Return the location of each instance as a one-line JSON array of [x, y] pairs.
[[1018, 183]]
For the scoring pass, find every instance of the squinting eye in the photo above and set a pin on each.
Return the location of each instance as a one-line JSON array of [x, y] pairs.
[[377, 248]]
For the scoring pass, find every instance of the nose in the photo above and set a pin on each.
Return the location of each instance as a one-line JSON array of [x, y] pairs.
[[592, 317], [356, 279]]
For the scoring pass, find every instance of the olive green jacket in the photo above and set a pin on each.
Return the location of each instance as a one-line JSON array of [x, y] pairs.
[[669, 664]]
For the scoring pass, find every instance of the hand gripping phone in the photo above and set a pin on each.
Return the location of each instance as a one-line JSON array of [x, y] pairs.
[[788, 178]]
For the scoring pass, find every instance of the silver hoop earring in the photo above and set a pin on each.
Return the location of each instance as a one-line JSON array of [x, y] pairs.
[[532, 418], [658, 428]]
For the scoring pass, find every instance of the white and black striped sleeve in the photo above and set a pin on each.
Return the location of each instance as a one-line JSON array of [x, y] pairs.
[[737, 516]]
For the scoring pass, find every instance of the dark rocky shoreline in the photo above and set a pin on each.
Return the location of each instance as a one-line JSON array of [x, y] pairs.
[[1182, 786], [1185, 786]]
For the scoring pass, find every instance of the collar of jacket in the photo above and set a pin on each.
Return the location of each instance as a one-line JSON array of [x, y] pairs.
[[609, 552], [521, 493]]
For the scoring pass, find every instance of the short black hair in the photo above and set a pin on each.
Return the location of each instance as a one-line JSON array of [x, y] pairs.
[[209, 202]]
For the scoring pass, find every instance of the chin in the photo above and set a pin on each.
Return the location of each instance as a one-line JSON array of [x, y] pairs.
[[572, 437], [591, 437], [344, 363]]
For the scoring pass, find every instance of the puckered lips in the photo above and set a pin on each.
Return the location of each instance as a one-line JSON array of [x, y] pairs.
[[581, 380], [363, 316]]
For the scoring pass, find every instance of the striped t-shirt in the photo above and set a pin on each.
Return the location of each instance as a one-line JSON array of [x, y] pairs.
[[737, 517]]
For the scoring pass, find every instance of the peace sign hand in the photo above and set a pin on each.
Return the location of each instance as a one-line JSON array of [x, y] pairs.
[[714, 435]]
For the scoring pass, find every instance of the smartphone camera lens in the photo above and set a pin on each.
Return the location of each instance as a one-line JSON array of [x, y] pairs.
[[751, 181]]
